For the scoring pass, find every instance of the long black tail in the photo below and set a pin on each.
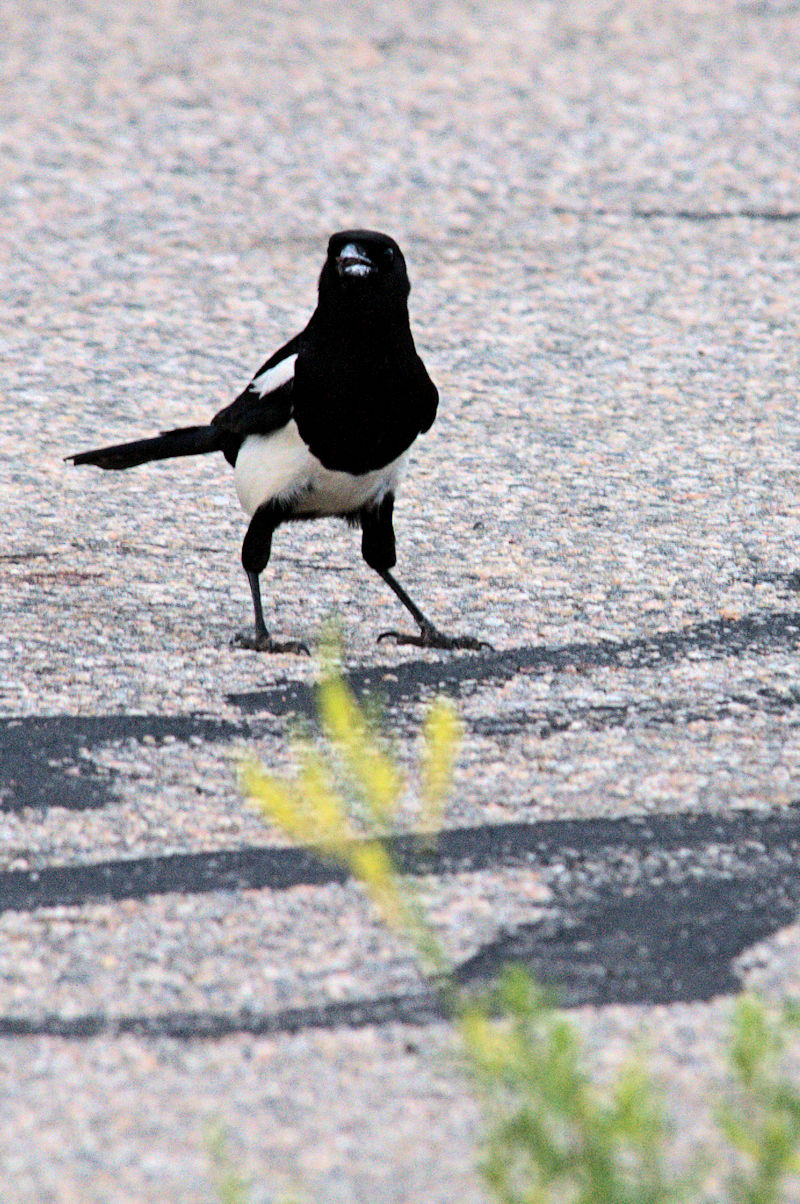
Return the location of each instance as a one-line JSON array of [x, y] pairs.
[[187, 441]]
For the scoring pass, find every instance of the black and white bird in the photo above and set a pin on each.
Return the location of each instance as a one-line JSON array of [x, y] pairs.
[[324, 427]]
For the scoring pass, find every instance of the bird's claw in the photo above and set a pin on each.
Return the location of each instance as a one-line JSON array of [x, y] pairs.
[[265, 643], [430, 637]]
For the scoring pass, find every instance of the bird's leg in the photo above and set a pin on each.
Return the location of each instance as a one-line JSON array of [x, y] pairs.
[[262, 635], [378, 549], [429, 636], [255, 557]]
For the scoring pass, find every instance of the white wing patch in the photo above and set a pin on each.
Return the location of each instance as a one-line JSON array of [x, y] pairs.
[[274, 377], [279, 466]]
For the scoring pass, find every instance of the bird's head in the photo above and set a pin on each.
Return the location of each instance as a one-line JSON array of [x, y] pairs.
[[366, 268]]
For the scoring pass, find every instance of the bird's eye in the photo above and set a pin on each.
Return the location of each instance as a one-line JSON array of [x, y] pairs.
[[388, 257]]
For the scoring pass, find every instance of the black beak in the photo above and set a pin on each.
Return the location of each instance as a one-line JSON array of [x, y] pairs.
[[353, 260]]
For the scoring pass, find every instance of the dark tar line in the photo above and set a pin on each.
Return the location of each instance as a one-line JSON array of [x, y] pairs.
[[660, 945], [460, 850], [46, 762]]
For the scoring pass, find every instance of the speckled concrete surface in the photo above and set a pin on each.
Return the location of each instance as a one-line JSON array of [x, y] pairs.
[[599, 205]]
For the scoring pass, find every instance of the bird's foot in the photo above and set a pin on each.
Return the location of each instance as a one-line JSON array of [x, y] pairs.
[[430, 637], [263, 642]]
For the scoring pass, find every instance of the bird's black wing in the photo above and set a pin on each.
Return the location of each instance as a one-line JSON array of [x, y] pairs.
[[266, 404], [427, 396]]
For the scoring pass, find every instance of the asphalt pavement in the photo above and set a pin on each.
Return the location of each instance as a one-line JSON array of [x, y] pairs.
[[599, 205]]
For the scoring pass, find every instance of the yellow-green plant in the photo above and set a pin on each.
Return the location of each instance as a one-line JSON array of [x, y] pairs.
[[761, 1117], [559, 1137], [347, 793], [554, 1137], [231, 1186]]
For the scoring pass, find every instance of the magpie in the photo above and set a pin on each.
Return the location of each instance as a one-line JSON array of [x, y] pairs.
[[324, 427]]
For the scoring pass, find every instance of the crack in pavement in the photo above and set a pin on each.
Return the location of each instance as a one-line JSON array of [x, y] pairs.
[[684, 214]]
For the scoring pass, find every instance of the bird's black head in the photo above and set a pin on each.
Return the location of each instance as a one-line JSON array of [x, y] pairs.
[[365, 268]]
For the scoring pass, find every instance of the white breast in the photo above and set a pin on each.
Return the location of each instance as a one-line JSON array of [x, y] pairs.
[[280, 467]]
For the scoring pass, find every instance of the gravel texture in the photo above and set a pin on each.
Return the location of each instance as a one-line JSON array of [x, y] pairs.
[[599, 204]]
